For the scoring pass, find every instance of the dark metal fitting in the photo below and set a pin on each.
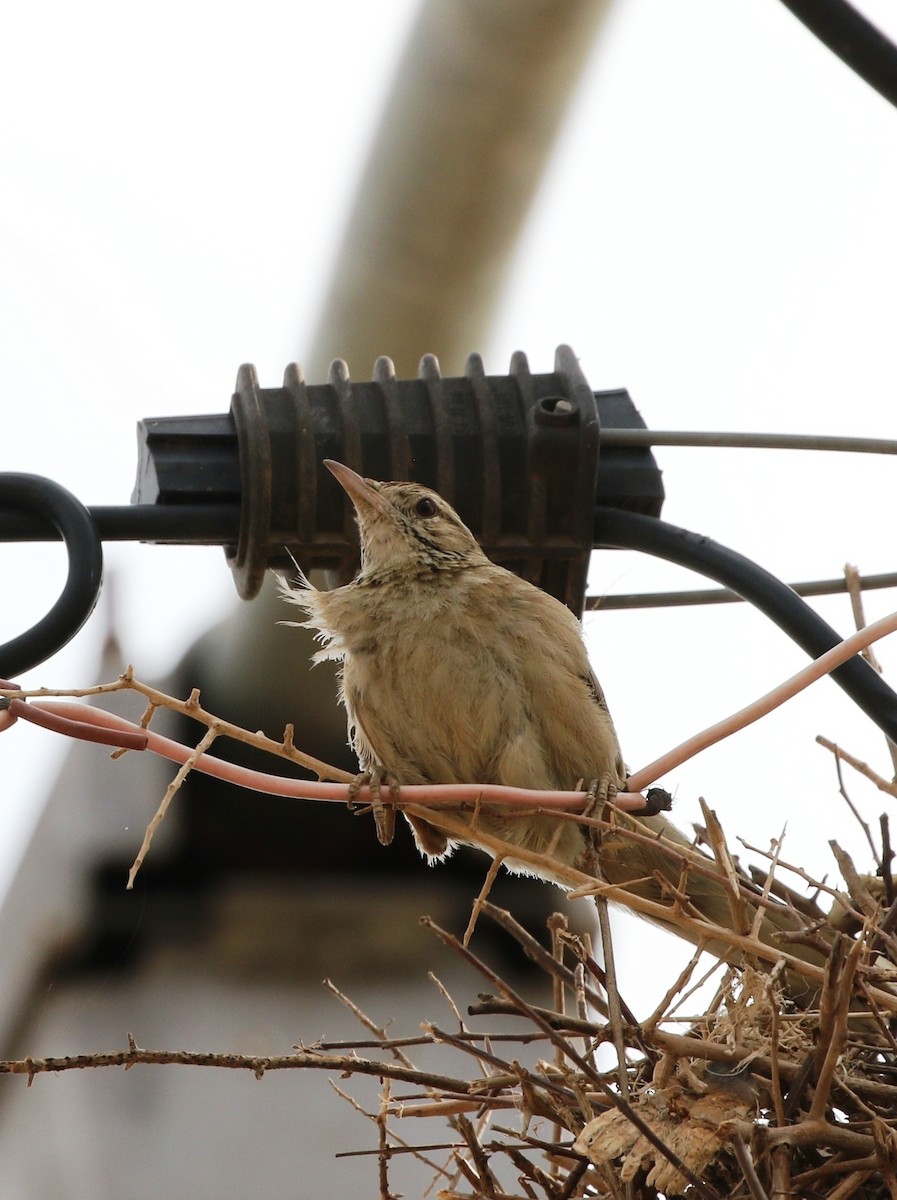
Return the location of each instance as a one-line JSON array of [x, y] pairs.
[[517, 455]]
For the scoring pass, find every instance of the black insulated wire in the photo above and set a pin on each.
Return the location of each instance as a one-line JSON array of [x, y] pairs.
[[32, 494], [632, 531], [182, 525], [855, 40]]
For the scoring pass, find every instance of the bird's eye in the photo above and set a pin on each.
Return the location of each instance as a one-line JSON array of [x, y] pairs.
[[425, 507]]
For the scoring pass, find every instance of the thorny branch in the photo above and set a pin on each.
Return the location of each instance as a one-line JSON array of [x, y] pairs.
[[675, 912], [702, 1112], [94, 724]]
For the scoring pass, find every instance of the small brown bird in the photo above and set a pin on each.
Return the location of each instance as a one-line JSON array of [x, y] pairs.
[[456, 670]]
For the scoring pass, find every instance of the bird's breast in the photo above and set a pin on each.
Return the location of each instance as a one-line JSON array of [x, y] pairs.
[[422, 684], [470, 676]]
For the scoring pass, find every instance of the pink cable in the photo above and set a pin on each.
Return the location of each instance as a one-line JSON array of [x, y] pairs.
[[96, 724], [93, 724]]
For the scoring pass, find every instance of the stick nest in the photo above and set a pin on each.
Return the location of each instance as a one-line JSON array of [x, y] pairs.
[[755, 1097]]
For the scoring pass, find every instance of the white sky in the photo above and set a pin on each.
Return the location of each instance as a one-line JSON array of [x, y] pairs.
[[718, 234]]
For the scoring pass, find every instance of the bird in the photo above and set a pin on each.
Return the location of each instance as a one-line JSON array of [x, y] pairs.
[[455, 670]]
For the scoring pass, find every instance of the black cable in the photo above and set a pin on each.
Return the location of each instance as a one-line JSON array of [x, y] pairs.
[[219, 523], [181, 524], [24, 517], [632, 531], [855, 40], [85, 575]]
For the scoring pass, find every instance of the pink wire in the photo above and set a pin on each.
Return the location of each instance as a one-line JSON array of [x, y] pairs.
[[95, 724]]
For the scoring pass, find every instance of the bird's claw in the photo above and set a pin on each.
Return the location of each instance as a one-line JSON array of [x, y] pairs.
[[384, 816], [599, 792]]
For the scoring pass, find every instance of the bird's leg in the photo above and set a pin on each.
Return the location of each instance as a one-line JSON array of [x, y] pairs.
[[599, 793], [384, 817]]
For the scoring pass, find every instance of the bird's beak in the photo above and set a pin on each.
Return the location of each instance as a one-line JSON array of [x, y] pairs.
[[360, 491]]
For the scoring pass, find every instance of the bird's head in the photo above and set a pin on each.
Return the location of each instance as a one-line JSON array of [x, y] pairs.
[[406, 527]]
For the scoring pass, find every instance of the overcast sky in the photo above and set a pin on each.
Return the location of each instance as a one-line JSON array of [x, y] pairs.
[[717, 233]]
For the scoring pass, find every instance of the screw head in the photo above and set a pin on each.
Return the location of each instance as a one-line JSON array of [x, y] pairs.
[[556, 411]]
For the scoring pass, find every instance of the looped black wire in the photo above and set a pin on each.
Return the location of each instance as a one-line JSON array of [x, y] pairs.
[[76, 526]]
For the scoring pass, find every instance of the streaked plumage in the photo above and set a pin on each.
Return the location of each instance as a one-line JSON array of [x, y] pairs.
[[454, 669]]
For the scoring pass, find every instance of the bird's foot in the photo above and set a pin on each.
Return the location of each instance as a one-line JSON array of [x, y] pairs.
[[384, 815], [598, 794]]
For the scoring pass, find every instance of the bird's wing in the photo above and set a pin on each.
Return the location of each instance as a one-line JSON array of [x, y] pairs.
[[597, 693]]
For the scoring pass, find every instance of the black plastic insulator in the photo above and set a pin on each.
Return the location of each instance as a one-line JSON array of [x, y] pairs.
[[32, 494], [517, 455]]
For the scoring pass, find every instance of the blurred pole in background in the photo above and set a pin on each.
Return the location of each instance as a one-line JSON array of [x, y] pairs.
[[479, 97]]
